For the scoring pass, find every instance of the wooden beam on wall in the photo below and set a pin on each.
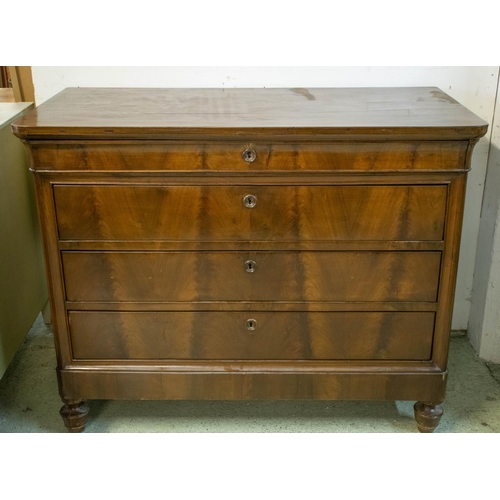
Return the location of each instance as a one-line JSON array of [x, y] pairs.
[[4, 77], [22, 83]]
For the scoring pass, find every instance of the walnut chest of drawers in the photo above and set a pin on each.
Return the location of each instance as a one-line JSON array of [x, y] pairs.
[[251, 243]]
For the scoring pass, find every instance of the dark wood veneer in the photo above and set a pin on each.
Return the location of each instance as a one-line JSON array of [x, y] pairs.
[[276, 335], [167, 156], [281, 213], [274, 276], [353, 227]]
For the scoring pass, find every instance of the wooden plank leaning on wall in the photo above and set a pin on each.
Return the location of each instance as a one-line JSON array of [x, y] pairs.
[[4, 77], [22, 83]]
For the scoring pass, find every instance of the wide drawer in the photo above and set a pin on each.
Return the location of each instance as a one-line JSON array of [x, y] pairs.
[[257, 213], [251, 276], [157, 156], [255, 335]]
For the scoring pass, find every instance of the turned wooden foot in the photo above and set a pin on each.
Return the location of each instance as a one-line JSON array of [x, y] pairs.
[[74, 416], [427, 416]]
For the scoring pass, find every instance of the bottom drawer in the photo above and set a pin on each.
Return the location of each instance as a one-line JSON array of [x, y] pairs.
[[252, 336]]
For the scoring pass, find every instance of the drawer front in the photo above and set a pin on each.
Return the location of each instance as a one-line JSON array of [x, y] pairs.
[[251, 276], [255, 335], [371, 156], [258, 213]]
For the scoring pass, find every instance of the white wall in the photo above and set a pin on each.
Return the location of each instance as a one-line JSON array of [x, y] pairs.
[[484, 323], [474, 87]]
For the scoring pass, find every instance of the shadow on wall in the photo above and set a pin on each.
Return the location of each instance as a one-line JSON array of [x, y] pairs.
[[484, 321]]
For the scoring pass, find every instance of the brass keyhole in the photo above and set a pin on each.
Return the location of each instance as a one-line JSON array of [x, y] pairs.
[[251, 324], [249, 200], [250, 266], [249, 155]]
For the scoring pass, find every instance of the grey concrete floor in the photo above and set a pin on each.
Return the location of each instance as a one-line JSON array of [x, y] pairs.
[[29, 402]]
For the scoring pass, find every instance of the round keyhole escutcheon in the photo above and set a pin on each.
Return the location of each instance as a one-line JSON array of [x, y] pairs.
[[249, 155], [251, 324], [250, 200], [250, 266]]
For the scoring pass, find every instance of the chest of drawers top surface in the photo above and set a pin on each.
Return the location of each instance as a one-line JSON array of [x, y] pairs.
[[340, 113]]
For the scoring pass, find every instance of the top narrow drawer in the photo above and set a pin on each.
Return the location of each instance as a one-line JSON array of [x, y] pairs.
[[370, 156], [256, 213]]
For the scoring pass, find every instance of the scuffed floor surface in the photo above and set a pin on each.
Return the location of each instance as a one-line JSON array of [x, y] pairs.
[[29, 402]]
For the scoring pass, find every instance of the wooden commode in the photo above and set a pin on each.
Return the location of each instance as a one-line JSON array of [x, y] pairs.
[[231, 244]]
